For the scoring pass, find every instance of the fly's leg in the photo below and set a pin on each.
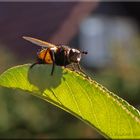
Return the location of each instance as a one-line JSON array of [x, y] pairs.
[[73, 67], [80, 69], [33, 65], [38, 61], [53, 59], [53, 66]]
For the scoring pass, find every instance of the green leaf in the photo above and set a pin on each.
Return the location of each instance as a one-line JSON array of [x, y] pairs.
[[84, 98]]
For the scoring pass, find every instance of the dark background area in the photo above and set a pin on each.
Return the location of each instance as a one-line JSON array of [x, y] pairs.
[[109, 31]]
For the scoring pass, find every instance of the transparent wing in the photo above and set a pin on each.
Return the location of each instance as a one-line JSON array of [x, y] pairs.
[[39, 42]]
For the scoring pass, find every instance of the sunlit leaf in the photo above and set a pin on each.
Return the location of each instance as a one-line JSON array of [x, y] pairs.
[[84, 98]]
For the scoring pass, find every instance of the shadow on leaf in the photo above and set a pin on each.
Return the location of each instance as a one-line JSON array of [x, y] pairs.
[[40, 76]]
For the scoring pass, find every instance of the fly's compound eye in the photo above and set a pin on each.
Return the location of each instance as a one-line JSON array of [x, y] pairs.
[[75, 55]]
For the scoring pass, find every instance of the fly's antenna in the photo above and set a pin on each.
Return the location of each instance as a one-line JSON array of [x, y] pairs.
[[84, 52]]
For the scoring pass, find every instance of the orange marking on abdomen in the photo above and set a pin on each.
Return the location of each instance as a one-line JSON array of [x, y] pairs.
[[45, 55]]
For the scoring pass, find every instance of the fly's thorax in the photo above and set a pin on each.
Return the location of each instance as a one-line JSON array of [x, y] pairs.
[[74, 55]]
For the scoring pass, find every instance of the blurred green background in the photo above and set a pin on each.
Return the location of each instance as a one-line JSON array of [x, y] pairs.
[[109, 31]]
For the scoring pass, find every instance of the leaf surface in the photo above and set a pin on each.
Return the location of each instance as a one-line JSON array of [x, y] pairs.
[[84, 98]]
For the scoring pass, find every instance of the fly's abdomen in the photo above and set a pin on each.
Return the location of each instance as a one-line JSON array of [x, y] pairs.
[[45, 56]]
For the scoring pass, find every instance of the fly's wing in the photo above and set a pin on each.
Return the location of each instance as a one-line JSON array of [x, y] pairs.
[[39, 42]]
